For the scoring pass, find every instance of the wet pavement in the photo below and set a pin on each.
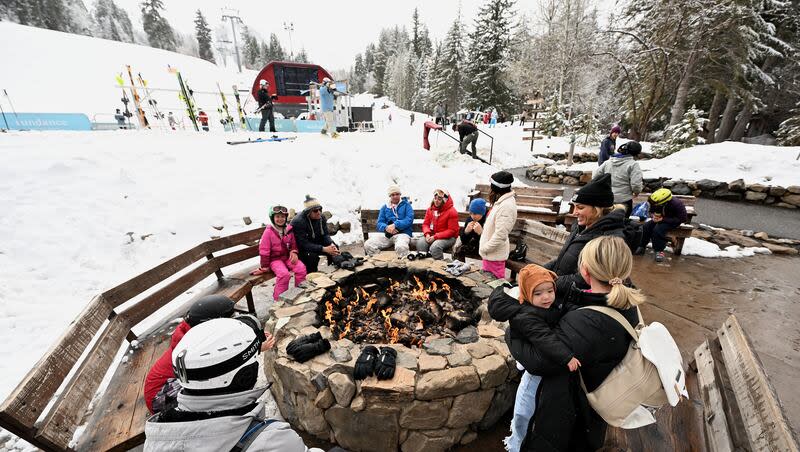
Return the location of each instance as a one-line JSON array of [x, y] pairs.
[[775, 221]]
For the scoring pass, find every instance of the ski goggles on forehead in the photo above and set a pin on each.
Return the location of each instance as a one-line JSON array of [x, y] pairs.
[[439, 194], [280, 209]]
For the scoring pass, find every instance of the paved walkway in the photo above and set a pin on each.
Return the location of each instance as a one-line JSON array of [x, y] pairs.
[[775, 221]]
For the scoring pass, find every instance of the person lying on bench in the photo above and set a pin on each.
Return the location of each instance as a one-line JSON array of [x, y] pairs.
[[311, 233], [218, 409], [440, 226], [666, 213], [395, 223]]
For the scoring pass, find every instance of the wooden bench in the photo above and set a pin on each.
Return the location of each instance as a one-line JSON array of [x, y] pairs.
[[118, 417], [369, 222], [533, 203], [677, 236]]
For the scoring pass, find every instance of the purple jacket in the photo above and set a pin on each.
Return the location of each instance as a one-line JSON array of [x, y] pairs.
[[674, 212], [273, 247]]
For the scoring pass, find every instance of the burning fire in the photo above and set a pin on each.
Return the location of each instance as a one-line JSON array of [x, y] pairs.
[[367, 314]]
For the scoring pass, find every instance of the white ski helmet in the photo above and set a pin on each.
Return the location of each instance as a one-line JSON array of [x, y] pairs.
[[262, 82], [326, 80], [210, 356]]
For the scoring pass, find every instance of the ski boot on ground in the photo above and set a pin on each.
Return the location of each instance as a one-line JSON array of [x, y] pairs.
[[660, 257]]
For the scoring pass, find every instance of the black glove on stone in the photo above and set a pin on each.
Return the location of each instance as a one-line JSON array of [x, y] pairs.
[[302, 340], [365, 364], [310, 350], [384, 368]]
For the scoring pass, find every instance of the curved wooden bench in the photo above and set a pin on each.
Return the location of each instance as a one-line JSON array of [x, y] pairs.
[[100, 331]]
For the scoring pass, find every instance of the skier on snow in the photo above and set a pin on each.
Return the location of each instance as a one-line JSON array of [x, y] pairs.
[[265, 106]]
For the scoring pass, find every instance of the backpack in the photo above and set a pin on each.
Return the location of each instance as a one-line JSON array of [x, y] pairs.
[[636, 384]]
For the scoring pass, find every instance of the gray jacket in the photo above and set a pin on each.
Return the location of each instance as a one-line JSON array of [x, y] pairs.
[[220, 433], [626, 177]]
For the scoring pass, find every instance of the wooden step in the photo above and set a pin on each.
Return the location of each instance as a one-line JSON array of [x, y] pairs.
[[531, 138], [531, 129]]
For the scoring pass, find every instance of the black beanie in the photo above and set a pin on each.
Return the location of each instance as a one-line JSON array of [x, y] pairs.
[[631, 148], [596, 193], [209, 307], [502, 180]]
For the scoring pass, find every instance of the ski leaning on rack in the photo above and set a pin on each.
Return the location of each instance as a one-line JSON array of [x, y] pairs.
[[137, 102], [242, 119], [184, 96], [228, 119], [262, 140], [148, 96]]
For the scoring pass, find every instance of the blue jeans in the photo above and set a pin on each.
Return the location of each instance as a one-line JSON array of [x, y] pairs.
[[524, 407]]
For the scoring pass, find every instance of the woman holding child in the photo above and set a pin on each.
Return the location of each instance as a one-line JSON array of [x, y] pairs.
[[551, 337]]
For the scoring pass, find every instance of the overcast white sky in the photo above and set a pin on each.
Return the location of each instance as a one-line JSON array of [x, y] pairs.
[[332, 32]]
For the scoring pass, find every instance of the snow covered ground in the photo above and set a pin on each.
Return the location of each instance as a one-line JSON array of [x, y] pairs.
[[724, 162], [695, 247]]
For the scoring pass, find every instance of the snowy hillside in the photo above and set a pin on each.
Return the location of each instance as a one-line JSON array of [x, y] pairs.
[[62, 72]]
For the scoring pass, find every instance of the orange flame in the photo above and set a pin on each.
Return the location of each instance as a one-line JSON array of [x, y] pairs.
[[329, 313], [346, 331], [372, 300]]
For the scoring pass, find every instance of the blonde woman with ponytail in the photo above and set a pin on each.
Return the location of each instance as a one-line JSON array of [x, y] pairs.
[[563, 419]]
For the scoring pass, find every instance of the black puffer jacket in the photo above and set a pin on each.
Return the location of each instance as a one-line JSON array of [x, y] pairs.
[[311, 235], [532, 324], [566, 264], [563, 419]]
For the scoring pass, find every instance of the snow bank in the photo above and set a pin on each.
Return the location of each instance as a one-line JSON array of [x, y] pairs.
[[728, 161], [696, 247]]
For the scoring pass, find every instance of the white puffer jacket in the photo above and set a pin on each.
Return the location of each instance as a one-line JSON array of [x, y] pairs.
[[494, 244]]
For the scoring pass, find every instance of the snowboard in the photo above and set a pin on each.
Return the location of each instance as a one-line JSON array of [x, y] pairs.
[[262, 140]]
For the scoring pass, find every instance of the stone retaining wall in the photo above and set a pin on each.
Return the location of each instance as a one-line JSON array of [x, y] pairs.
[[786, 197], [441, 394]]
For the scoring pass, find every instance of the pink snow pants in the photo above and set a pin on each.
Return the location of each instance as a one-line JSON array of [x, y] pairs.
[[497, 268], [282, 271]]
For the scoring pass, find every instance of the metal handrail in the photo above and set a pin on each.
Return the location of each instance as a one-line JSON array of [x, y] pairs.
[[476, 157], [491, 145]]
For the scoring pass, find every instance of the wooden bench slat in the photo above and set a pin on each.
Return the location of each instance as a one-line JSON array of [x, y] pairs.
[[25, 404], [716, 427], [765, 423], [118, 420], [69, 408]]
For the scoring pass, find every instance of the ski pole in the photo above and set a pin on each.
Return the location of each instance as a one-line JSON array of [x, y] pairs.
[[4, 117], [12, 105]]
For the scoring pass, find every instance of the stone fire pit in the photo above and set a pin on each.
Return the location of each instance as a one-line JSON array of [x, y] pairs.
[[442, 392]]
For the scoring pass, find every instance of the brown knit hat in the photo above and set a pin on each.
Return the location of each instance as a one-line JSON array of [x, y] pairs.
[[310, 203], [531, 276]]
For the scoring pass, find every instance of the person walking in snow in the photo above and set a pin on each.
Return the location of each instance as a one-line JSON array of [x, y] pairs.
[[608, 145], [395, 223], [327, 96], [438, 113], [279, 253], [467, 135], [412, 118], [265, 106], [493, 119], [626, 175]]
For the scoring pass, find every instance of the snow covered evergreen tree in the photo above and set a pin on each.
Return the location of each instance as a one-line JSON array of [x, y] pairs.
[[70, 16], [359, 75], [112, 22], [447, 80], [252, 51], [276, 52], [203, 37], [681, 135], [789, 132], [159, 32], [488, 60], [302, 56], [554, 120]]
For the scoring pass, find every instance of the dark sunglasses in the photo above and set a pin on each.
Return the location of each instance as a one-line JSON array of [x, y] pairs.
[[280, 209], [316, 209]]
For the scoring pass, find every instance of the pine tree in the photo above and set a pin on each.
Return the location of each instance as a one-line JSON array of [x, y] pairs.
[[112, 22], [302, 56], [203, 37], [420, 40], [252, 51], [359, 77], [681, 135], [789, 131], [159, 32], [275, 50], [490, 46], [266, 55], [554, 120], [447, 82]]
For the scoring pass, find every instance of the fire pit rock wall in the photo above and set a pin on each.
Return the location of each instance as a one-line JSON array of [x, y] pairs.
[[442, 393]]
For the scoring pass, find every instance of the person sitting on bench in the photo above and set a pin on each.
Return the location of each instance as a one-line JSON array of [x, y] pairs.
[[156, 393], [666, 213], [278, 251], [311, 233], [395, 223], [469, 237], [218, 406], [440, 226]]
